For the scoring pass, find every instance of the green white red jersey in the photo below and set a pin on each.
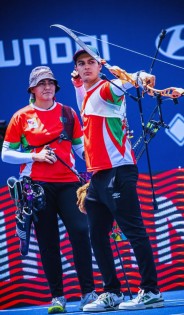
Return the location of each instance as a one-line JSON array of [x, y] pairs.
[[106, 142], [34, 126]]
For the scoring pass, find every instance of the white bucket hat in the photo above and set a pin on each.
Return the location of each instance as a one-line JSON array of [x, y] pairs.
[[41, 73]]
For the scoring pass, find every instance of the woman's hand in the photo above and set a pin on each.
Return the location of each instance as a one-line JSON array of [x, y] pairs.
[[45, 155]]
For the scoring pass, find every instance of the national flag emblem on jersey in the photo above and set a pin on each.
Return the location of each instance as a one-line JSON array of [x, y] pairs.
[[32, 123]]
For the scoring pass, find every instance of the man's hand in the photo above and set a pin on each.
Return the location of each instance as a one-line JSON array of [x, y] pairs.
[[144, 77], [147, 79], [45, 155], [76, 79]]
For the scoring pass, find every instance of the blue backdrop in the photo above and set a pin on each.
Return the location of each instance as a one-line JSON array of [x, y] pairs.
[[126, 34]]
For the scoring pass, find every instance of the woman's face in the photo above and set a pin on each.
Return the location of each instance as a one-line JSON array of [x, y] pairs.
[[44, 90]]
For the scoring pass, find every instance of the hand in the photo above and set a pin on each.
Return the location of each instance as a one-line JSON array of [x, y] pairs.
[[76, 79], [146, 79], [81, 195], [45, 155]]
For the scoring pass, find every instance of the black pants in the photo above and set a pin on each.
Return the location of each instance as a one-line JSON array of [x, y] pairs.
[[112, 195], [61, 199]]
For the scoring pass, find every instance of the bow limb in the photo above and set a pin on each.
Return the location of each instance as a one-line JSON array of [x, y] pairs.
[[172, 92]]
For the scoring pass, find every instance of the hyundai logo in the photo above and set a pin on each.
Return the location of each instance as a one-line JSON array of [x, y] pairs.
[[174, 43]]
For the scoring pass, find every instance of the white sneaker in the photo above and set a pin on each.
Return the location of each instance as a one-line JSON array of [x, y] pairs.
[[87, 299], [58, 305], [143, 301], [105, 301]]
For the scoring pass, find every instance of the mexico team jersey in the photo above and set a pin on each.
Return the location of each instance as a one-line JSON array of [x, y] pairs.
[[34, 126], [105, 140]]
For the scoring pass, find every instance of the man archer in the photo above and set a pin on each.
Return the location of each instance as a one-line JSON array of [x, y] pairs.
[[112, 193]]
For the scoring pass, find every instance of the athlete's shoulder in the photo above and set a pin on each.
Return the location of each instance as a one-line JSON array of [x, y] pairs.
[[23, 110]]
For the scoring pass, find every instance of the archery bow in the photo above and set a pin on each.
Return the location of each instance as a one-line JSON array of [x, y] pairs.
[[172, 92]]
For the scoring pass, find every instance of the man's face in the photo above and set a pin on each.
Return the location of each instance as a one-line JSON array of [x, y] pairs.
[[88, 68]]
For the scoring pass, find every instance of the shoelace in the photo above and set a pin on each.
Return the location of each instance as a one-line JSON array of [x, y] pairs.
[[139, 297], [92, 295], [108, 297], [57, 299]]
